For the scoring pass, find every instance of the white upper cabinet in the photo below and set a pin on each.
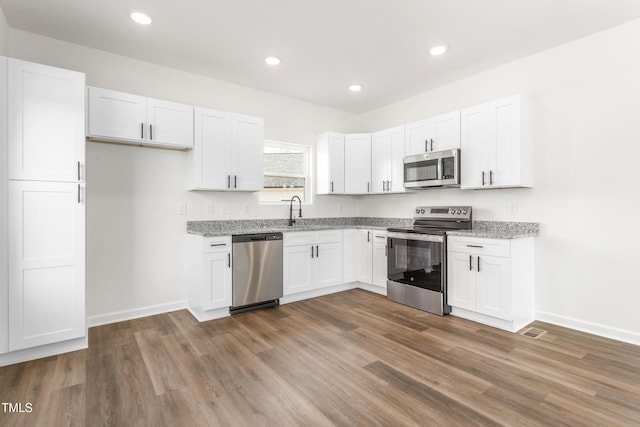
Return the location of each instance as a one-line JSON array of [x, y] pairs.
[[357, 160], [132, 119], [433, 134], [387, 153], [497, 144], [45, 122], [228, 152], [330, 166]]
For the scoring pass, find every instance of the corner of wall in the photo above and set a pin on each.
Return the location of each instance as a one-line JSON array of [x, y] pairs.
[[4, 34]]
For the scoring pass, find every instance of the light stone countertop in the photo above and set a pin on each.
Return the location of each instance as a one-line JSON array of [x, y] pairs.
[[486, 229]]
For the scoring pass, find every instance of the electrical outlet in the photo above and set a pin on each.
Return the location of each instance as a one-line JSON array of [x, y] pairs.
[[513, 208], [208, 207], [182, 208], [227, 209]]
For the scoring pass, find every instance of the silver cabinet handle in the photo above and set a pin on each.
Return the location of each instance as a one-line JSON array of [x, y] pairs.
[[141, 130], [470, 265], [218, 244], [490, 177], [483, 177], [368, 236], [235, 181], [228, 181], [388, 185], [426, 145], [79, 172], [384, 185], [381, 237], [475, 246], [229, 260], [368, 191], [317, 252], [150, 132], [311, 251], [78, 193], [332, 186], [431, 144], [478, 260]]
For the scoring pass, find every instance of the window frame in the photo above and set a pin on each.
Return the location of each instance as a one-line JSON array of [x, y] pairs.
[[308, 178]]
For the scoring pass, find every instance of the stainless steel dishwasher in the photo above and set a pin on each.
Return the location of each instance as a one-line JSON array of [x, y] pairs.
[[257, 271]]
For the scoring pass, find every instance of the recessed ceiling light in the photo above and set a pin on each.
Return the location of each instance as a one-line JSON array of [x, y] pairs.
[[141, 18], [438, 50], [355, 88], [272, 60]]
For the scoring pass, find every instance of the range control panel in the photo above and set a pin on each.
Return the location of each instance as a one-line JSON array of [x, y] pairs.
[[443, 212]]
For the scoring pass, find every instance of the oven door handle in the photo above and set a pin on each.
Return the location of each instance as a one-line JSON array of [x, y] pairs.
[[416, 236]]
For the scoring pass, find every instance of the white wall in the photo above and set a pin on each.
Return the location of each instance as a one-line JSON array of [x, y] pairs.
[[134, 234], [586, 98], [4, 34]]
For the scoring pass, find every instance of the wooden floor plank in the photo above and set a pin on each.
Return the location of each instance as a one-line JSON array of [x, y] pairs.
[[351, 358]]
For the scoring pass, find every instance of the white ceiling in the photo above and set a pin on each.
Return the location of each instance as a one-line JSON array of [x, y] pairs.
[[324, 45]]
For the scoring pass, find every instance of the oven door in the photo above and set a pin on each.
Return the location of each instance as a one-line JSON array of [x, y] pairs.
[[417, 260]]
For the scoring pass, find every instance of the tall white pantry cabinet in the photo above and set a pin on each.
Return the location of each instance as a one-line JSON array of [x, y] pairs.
[[42, 223]]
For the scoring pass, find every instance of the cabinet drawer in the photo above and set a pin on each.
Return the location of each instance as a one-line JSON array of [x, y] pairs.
[[328, 236], [479, 246], [298, 238], [379, 236], [216, 244]]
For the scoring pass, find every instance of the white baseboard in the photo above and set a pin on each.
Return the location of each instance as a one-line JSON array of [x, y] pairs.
[[373, 288], [627, 336], [44, 351], [317, 293], [120, 316]]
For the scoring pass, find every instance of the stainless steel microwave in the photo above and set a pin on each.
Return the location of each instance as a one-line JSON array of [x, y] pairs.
[[434, 169]]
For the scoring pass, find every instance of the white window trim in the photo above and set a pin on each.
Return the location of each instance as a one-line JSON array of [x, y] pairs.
[[308, 188]]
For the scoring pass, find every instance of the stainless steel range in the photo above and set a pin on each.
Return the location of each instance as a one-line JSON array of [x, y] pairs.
[[417, 258]]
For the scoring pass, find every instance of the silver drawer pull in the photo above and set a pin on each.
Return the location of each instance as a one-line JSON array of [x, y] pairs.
[[218, 244], [381, 237], [475, 246]]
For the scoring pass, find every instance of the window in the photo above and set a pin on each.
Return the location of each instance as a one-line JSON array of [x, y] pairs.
[[286, 172]]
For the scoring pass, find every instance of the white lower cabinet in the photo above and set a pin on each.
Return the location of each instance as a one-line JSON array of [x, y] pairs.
[[492, 280], [210, 276], [312, 260], [46, 263], [365, 258], [379, 259]]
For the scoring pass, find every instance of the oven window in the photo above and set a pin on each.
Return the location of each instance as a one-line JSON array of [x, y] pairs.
[[416, 263], [426, 170]]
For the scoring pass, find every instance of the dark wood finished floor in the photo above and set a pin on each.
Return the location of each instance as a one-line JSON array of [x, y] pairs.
[[351, 358]]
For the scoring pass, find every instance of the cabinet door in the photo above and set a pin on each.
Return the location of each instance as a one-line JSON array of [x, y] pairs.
[[297, 268], [169, 123], [211, 154], [380, 161], [357, 163], [493, 288], [117, 115], [446, 131], [379, 262], [415, 135], [217, 280], [396, 165], [505, 147], [46, 122], [351, 254], [46, 263], [248, 154], [461, 280], [365, 256], [474, 153], [328, 265], [336, 163]]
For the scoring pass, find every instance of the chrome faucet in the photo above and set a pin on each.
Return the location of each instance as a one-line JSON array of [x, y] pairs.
[[291, 219]]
